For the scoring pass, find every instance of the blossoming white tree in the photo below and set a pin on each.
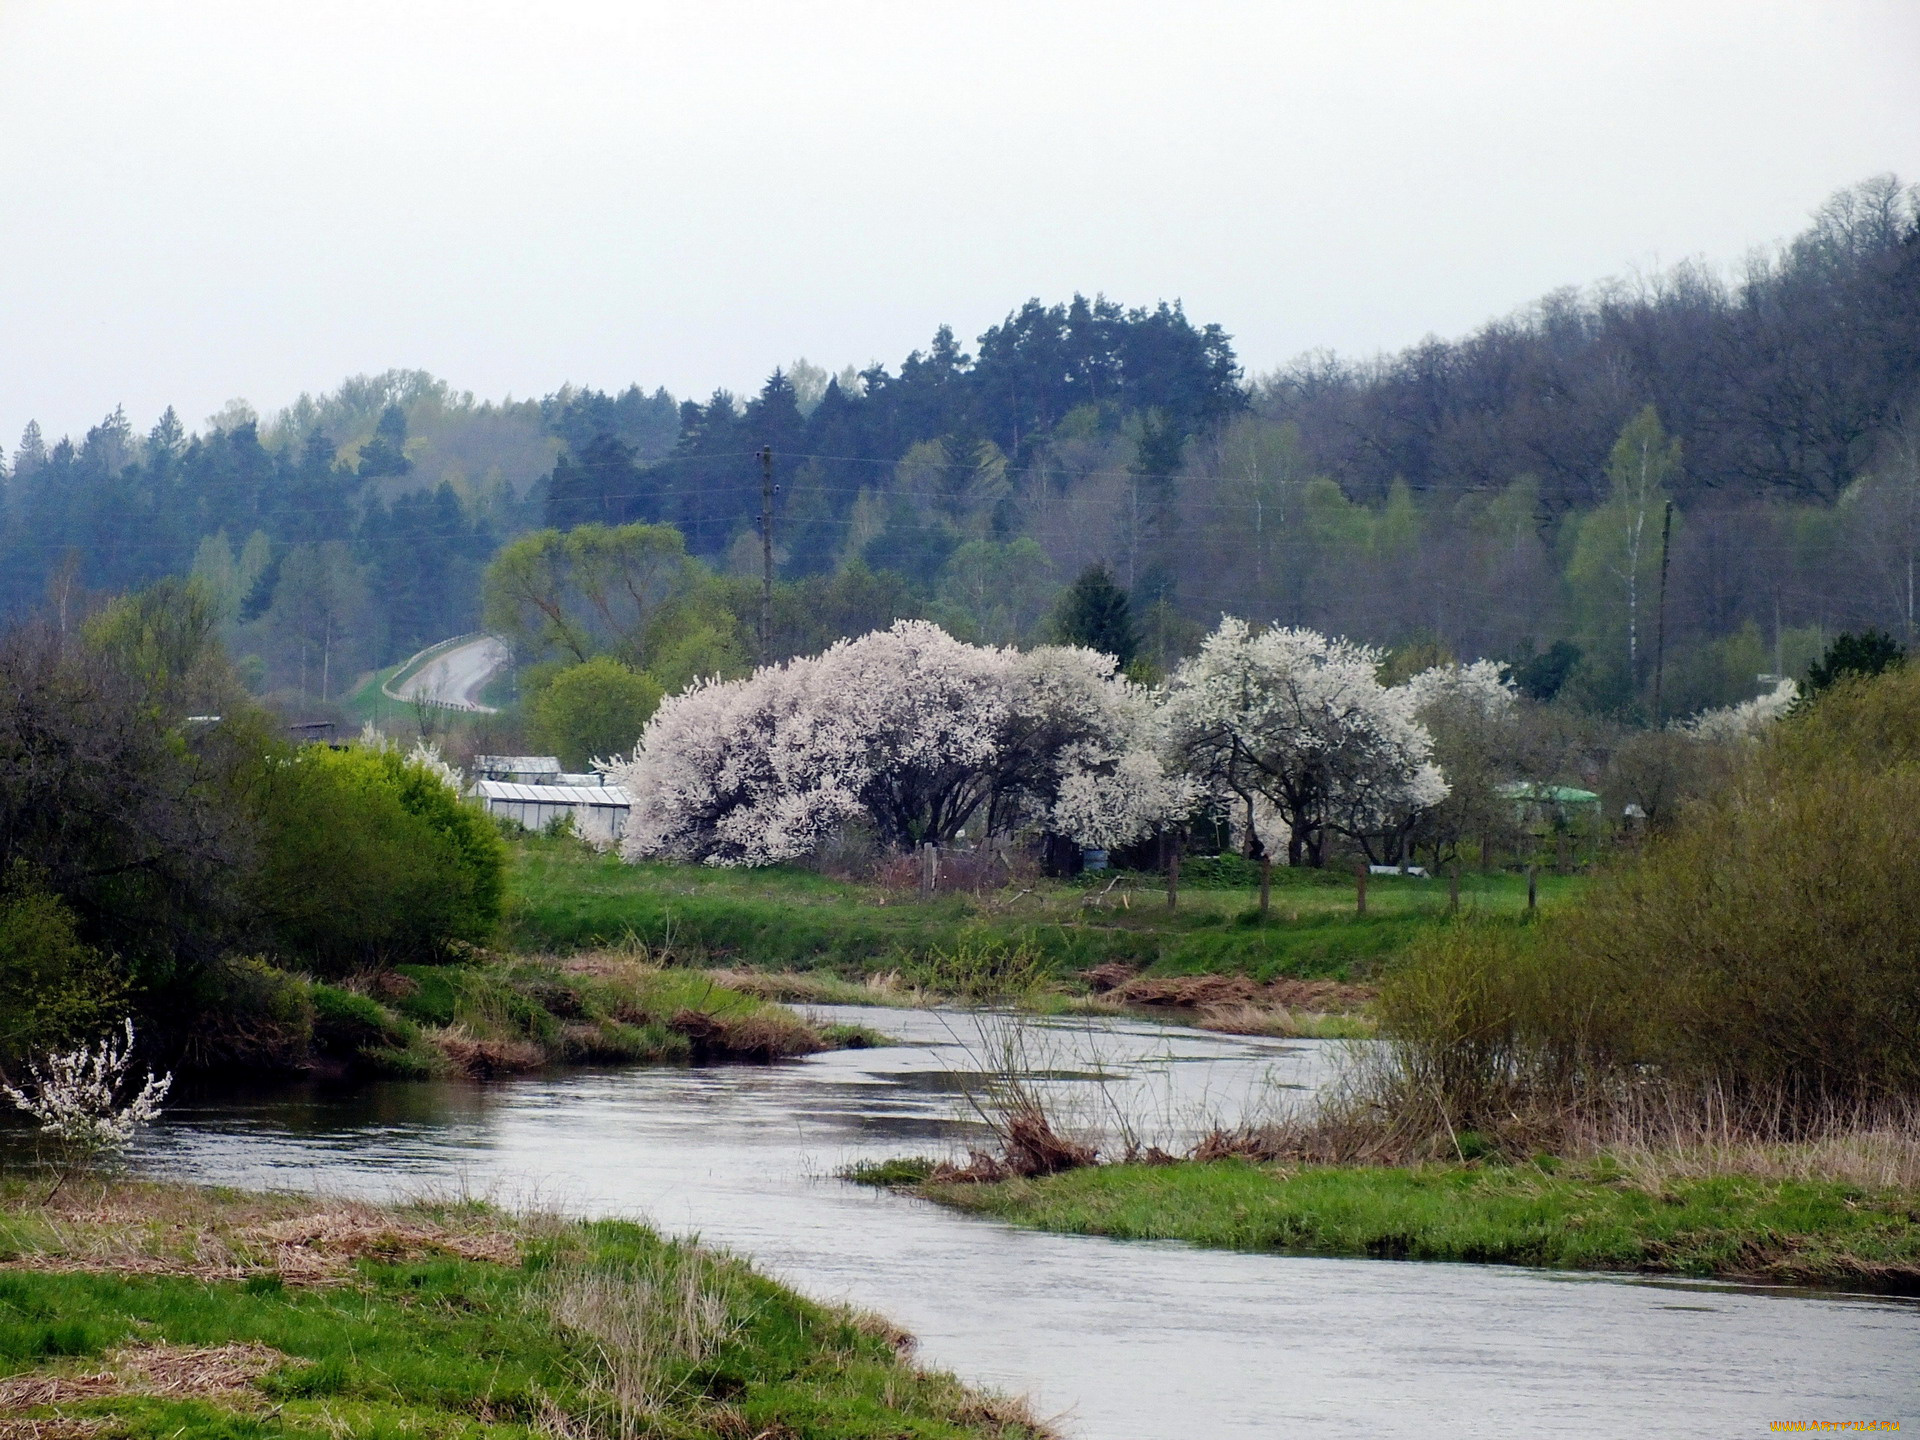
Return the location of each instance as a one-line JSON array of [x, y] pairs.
[[84, 1103], [1480, 686], [1292, 720], [908, 728], [1474, 715], [1746, 721]]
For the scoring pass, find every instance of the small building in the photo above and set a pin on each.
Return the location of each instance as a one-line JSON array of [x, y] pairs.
[[598, 812], [524, 769], [1563, 816]]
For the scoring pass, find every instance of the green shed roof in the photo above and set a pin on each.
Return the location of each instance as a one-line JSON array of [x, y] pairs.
[[1551, 794]]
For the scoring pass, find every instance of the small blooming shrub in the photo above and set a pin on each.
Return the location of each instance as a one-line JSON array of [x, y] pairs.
[[85, 1099]]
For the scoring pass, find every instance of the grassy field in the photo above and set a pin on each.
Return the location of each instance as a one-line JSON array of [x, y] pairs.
[[366, 701], [564, 896], [163, 1311], [1591, 1216]]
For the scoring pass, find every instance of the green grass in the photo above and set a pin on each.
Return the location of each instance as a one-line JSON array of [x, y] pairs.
[[445, 1347], [1588, 1217], [606, 1007], [564, 896], [367, 702]]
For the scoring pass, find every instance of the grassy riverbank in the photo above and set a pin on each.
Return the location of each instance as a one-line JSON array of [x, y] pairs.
[[142, 1310], [1597, 1215], [497, 1015], [565, 896]]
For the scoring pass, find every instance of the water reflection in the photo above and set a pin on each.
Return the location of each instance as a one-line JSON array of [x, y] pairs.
[[1135, 1341]]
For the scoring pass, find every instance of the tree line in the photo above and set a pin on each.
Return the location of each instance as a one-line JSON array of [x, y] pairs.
[[1478, 497]]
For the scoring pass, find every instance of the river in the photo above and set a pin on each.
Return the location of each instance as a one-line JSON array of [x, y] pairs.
[[1121, 1340]]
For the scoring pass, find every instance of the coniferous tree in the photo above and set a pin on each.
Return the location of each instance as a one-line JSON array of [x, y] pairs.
[[1871, 653], [385, 454], [1096, 613]]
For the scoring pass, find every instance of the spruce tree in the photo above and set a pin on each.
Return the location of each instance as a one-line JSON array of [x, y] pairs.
[[1871, 652], [1096, 613]]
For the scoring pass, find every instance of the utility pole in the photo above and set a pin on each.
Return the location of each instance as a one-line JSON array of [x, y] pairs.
[[1660, 630], [766, 552]]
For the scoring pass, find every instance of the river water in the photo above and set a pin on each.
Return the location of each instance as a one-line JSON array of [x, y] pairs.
[[1120, 1340]]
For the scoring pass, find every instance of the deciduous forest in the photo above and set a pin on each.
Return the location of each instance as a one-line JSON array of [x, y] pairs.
[[1643, 495]]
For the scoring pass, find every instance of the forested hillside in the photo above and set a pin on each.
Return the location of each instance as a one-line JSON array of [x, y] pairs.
[[1504, 494]]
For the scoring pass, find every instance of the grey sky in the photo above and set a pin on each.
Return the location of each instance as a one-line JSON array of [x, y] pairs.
[[203, 201]]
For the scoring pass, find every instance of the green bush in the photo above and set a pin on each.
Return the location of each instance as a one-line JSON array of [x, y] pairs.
[[54, 990], [368, 858], [592, 710], [1768, 948]]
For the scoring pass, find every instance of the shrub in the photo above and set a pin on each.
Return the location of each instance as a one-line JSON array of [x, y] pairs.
[[370, 858], [593, 710], [54, 990], [1767, 949]]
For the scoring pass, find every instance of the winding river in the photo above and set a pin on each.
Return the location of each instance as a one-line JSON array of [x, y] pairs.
[[1120, 1340]]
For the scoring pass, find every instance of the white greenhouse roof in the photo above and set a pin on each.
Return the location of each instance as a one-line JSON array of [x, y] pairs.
[[608, 795], [519, 764]]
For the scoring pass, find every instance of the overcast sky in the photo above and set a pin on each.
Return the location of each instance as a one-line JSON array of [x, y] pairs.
[[203, 201]]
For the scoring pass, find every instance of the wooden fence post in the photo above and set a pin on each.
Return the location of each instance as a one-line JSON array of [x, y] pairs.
[[1533, 888], [1360, 887], [1266, 882], [1173, 874]]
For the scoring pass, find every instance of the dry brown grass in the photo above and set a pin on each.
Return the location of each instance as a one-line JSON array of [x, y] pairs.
[[484, 1057], [175, 1371], [752, 1035], [1274, 1021], [144, 1228], [1030, 1146], [645, 1323], [811, 988], [1380, 1113], [24, 1428], [1874, 1147]]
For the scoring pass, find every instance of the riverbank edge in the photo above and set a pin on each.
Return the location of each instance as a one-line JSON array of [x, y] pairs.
[[1594, 1216], [1282, 1010], [150, 1308], [487, 1016]]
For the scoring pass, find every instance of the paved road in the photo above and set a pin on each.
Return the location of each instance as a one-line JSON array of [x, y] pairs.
[[454, 678]]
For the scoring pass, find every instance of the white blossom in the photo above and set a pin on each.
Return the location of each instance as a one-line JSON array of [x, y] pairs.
[[907, 727], [76, 1097], [1746, 720], [1302, 723], [425, 754], [1481, 685]]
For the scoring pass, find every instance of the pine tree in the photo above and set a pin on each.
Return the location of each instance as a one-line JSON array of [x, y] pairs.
[[1870, 653], [1096, 613]]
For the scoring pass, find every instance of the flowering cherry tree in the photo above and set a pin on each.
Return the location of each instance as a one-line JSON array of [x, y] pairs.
[[1481, 687], [1294, 729], [85, 1102], [1746, 721], [907, 728], [1474, 715]]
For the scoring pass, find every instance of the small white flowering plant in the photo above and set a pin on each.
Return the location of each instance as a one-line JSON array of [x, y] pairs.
[[87, 1103]]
